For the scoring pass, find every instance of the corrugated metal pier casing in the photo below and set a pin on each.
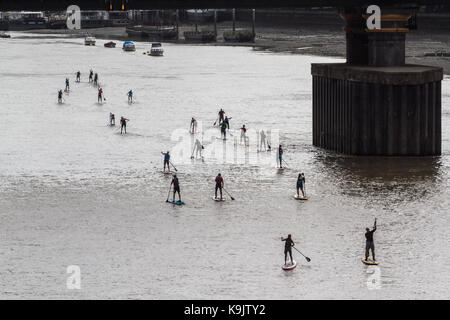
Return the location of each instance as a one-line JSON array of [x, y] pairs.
[[377, 111]]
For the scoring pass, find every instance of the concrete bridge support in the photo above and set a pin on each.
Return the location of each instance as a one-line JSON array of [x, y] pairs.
[[375, 104]]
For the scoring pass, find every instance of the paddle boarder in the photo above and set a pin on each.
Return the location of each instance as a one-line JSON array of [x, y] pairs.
[[60, 94], [280, 156], [91, 75], [219, 185], [112, 119], [198, 147], [223, 130], [243, 136], [176, 187], [369, 241], [288, 244], [123, 124], [262, 142], [96, 79], [300, 184], [227, 121], [78, 76], [193, 125], [67, 85], [221, 113], [166, 160], [100, 95], [130, 96]]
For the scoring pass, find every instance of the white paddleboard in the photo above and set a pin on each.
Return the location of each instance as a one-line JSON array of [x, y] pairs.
[[218, 199], [289, 266], [300, 198], [166, 172], [369, 262]]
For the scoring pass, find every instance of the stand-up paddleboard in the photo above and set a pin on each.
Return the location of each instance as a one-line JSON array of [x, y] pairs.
[[300, 198], [289, 266], [218, 199], [369, 262], [167, 172], [177, 202]]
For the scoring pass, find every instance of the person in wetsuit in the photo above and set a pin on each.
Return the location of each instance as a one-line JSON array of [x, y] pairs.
[[91, 75], [100, 95], [193, 126], [78, 76], [166, 161], [198, 147], [369, 241], [243, 136], [227, 121], [288, 244], [112, 119], [130, 96], [123, 124], [223, 130], [280, 156], [221, 113], [67, 85], [219, 185], [60, 94], [176, 187], [300, 184], [96, 79]]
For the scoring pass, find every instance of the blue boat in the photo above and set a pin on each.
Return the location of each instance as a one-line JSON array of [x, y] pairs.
[[129, 46]]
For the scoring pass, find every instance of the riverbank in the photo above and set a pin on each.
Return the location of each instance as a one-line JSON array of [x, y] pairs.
[[320, 35]]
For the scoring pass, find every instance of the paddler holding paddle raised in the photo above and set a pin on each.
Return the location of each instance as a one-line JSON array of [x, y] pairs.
[[369, 241]]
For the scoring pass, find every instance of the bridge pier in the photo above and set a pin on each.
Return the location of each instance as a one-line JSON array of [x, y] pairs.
[[375, 104]]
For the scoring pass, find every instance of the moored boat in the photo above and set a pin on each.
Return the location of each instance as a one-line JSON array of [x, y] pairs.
[[89, 41], [4, 35], [110, 44], [129, 46], [156, 49]]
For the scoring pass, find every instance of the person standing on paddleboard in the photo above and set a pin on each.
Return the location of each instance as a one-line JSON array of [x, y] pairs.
[[280, 156], [223, 130], [60, 93], [130, 96], [288, 244], [166, 161], [96, 79], [198, 148], [67, 85], [243, 136], [221, 113], [112, 119], [123, 124], [91, 74], [176, 187], [78, 76], [300, 184], [193, 126], [369, 241], [219, 185], [100, 95]]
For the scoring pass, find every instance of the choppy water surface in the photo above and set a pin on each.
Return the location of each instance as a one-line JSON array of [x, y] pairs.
[[75, 192]]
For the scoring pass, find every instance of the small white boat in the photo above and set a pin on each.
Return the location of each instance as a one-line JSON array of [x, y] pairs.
[[156, 49], [4, 35], [129, 46], [89, 41]]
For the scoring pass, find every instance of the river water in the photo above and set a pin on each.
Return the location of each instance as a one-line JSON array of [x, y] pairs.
[[74, 191]]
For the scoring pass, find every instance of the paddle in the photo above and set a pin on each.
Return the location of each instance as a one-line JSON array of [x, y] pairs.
[[307, 259], [168, 194], [215, 122], [228, 193], [173, 165], [285, 162]]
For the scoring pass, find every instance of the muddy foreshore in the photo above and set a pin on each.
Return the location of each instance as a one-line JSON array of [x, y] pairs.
[[318, 35]]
